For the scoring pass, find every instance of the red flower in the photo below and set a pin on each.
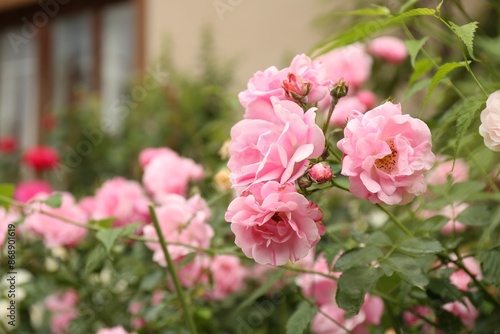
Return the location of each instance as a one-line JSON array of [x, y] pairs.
[[41, 157], [8, 144]]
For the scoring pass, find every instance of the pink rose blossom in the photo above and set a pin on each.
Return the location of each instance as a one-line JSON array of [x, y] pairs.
[[26, 190], [274, 224], [304, 80], [370, 314], [63, 307], [386, 155], [6, 218], [460, 278], [54, 231], [451, 212], [464, 310], [273, 143], [320, 173], [183, 221], [227, 276], [263, 85], [195, 272], [458, 170], [113, 330], [368, 98], [88, 204], [136, 321], [320, 288], [412, 320], [490, 122], [168, 173], [148, 154], [351, 63], [123, 200], [391, 49]]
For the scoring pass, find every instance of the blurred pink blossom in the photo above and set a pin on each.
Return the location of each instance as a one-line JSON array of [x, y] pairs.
[[26, 190], [121, 199], [63, 308], [6, 218], [168, 173], [56, 232], [391, 49], [351, 63], [228, 276], [320, 288], [113, 330], [386, 155], [464, 310], [458, 170]]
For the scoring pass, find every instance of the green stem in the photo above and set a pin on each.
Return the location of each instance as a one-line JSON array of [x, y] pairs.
[[335, 100], [395, 220], [173, 273]]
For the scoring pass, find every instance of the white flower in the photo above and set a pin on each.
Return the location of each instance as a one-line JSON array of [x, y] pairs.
[[490, 122]]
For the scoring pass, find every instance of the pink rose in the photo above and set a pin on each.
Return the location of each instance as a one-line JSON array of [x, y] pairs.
[[351, 63], [274, 224], [63, 307], [123, 200], [113, 330], [368, 98], [148, 154], [451, 212], [305, 80], [6, 218], [54, 231], [458, 170], [490, 122], [26, 190], [464, 310], [370, 314], [88, 204], [391, 49], [386, 155], [183, 221], [264, 85], [228, 276], [273, 143], [320, 288], [168, 173], [195, 272], [460, 278]]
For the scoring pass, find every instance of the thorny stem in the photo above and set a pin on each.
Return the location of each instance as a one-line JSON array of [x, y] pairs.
[[173, 273]]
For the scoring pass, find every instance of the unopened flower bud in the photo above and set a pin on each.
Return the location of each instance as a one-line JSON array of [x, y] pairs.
[[340, 89], [320, 173], [296, 88], [304, 181]]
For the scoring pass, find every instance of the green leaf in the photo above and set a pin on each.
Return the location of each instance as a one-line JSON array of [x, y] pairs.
[[352, 287], [300, 319], [441, 73], [417, 87], [422, 67], [466, 35], [443, 288], [478, 215], [379, 239], [102, 223], [370, 11], [54, 201], [433, 224], [408, 269], [108, 237], [465, 117], [367, 29], [358, 257], [461, 191], [6, 190], [420, 246], [260, 291], [95, 259], [414, 47], [490, 264]]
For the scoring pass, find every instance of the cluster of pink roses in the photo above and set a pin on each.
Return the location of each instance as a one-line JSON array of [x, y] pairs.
[[385, 152]]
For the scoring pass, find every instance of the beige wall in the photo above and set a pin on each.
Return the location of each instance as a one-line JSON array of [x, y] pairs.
[[259, 33]]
